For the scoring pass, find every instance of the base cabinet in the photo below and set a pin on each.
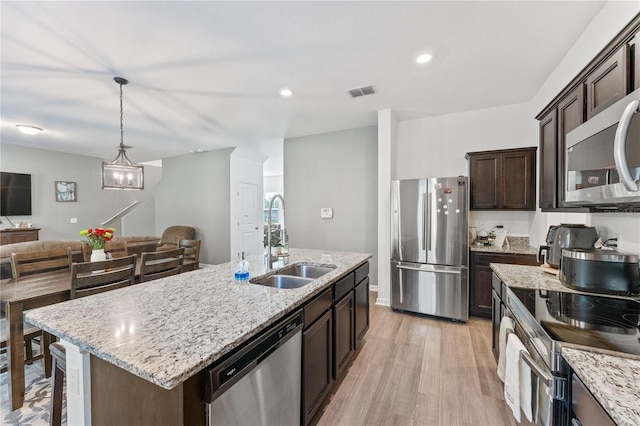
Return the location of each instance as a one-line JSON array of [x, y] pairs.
[[343, 334], [480, 298], [361, 295], [317, 365]]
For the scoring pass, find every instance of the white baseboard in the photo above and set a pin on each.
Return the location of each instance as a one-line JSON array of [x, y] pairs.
[[383, 302]]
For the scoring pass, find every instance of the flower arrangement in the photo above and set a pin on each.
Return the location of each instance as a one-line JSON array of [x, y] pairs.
[[98, 237]]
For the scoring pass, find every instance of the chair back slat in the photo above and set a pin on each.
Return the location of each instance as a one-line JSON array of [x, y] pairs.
[[160, 264], [191, 249], [40, 261], [96, 277]]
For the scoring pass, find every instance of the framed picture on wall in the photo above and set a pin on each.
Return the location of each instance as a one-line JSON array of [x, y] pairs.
[[66, 191]]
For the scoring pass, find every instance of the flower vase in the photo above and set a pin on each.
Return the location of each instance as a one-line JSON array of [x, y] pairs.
[[98, 255]]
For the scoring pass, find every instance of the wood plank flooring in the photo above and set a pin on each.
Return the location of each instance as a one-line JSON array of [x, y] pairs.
[[413, 370]]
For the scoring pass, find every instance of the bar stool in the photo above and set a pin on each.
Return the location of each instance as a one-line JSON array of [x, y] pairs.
[[115, 273]]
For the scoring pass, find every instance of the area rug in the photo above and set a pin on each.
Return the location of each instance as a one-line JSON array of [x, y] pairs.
[[35, 410]]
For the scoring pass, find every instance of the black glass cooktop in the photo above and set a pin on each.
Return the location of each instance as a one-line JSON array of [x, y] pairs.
[[586, 319]]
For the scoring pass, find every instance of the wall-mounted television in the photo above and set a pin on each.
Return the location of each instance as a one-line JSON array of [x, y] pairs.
[[15, 194]]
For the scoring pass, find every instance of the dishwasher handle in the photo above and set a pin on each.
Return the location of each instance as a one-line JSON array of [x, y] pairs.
[[226, 372]]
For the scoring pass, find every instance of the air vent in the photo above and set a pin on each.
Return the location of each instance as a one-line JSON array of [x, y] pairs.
[[361, 91]]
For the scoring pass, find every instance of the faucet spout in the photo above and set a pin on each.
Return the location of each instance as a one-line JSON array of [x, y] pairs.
[[283, 231]]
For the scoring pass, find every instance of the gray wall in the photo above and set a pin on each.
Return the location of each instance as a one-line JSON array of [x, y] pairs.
[[195, 192], [93, 205], [336, 170]]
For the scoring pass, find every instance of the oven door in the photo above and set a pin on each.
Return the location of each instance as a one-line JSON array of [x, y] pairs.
[[548, 390]]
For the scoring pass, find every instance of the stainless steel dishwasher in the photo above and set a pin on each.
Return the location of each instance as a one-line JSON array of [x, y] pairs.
[[260, 384]]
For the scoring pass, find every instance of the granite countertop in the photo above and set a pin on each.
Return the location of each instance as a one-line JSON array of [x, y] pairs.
[[167, 330], [528, 277], [511, 249], [613, 380]]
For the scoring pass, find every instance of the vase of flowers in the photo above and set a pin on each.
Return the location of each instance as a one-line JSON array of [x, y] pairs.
[[97, 238]]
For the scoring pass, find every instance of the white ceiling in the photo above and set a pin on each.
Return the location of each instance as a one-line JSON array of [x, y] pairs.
[[206, 75]]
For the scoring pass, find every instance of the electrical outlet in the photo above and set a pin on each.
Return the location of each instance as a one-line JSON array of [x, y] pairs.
[[616, 235]]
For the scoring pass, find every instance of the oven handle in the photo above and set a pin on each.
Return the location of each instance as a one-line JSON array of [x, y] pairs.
[[540, 373]]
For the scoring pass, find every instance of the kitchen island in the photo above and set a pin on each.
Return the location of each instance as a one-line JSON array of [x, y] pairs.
[[154, 339], [612, 377]]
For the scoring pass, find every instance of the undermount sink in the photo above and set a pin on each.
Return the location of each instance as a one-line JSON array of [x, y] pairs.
[[305, 270], [282, 281], [294, 276]]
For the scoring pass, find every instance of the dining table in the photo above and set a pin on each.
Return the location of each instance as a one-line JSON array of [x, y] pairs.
[[18, 295]]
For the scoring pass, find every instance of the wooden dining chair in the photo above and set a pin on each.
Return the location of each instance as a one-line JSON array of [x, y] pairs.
[[192, 253], [117, 250], [160, 264], [28, 263], [34, 262], [87, 278], [31, 332]]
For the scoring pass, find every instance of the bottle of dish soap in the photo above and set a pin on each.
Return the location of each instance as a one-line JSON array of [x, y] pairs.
[[242, 269]]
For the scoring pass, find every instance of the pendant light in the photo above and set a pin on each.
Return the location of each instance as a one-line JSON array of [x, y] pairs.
[[121, 173]]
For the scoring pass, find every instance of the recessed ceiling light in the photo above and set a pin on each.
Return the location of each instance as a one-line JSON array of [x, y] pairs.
[[286, 92], [424, 58], [28, 130]]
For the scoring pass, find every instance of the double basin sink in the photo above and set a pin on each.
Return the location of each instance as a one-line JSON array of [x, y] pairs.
[[294, 276]]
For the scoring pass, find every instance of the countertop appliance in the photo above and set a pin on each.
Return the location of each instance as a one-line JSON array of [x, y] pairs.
[[260, 383], [547, 319], [430, 246], [600, 271], [602, 166], [567, 236]]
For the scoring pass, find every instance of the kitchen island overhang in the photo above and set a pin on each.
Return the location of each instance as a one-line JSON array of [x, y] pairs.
[[168, 330]]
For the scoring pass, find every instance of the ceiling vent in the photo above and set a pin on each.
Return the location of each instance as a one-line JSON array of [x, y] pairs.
[[361, 91]]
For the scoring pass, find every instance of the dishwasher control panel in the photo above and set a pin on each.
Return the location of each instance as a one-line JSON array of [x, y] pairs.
[[232, 368]]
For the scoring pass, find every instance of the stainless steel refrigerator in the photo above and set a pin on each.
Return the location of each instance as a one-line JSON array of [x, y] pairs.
[[430, 246]]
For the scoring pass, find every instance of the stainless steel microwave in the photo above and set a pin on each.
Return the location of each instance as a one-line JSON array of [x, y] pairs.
[[602, 158]]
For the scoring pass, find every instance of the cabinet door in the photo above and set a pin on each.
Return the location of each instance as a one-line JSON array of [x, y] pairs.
[[518, 187], [361, 294], [571, 114], [497, 310], [317, 363], [608, 83], [480, 294], [636, 61], [548, 160], [342, 334], [485, 181]]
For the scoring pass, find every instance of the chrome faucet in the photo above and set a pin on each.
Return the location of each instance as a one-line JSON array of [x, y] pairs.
[[283, 231]]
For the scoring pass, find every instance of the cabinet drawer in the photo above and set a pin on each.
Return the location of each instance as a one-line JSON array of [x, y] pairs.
[[344, 286], [362, 272], [314, 309]]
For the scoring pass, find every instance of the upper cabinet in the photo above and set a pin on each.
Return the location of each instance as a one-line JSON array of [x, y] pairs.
[[609, 77], [503, 179]]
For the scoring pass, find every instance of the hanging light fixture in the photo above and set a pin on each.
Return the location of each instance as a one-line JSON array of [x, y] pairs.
[[121, 173]]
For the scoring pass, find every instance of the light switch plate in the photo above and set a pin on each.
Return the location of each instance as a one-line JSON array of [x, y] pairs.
[[73, 220], [326, 213]]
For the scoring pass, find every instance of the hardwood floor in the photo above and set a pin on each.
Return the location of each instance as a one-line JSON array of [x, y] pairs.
[[413, 370]]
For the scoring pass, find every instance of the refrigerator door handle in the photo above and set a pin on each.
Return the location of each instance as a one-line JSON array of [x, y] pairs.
[[428, 225], [440, 271], [401, 286]]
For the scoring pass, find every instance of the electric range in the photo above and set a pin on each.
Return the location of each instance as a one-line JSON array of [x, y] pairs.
[[545, 320]]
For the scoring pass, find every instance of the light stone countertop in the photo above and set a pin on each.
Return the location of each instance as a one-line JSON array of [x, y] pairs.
[[613, 380], [167, 330], [512, 249]]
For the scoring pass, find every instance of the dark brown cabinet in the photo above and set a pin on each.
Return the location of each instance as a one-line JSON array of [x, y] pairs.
[[343, 331], [317, 362], [608, 83], [609, 77], [480, 278], [503, 179], [361, 301], [18, 235]]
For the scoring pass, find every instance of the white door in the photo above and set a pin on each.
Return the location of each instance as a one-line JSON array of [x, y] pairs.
[[249, 231]]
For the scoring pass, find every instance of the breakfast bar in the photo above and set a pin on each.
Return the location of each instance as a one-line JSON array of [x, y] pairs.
[[149, 343]]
